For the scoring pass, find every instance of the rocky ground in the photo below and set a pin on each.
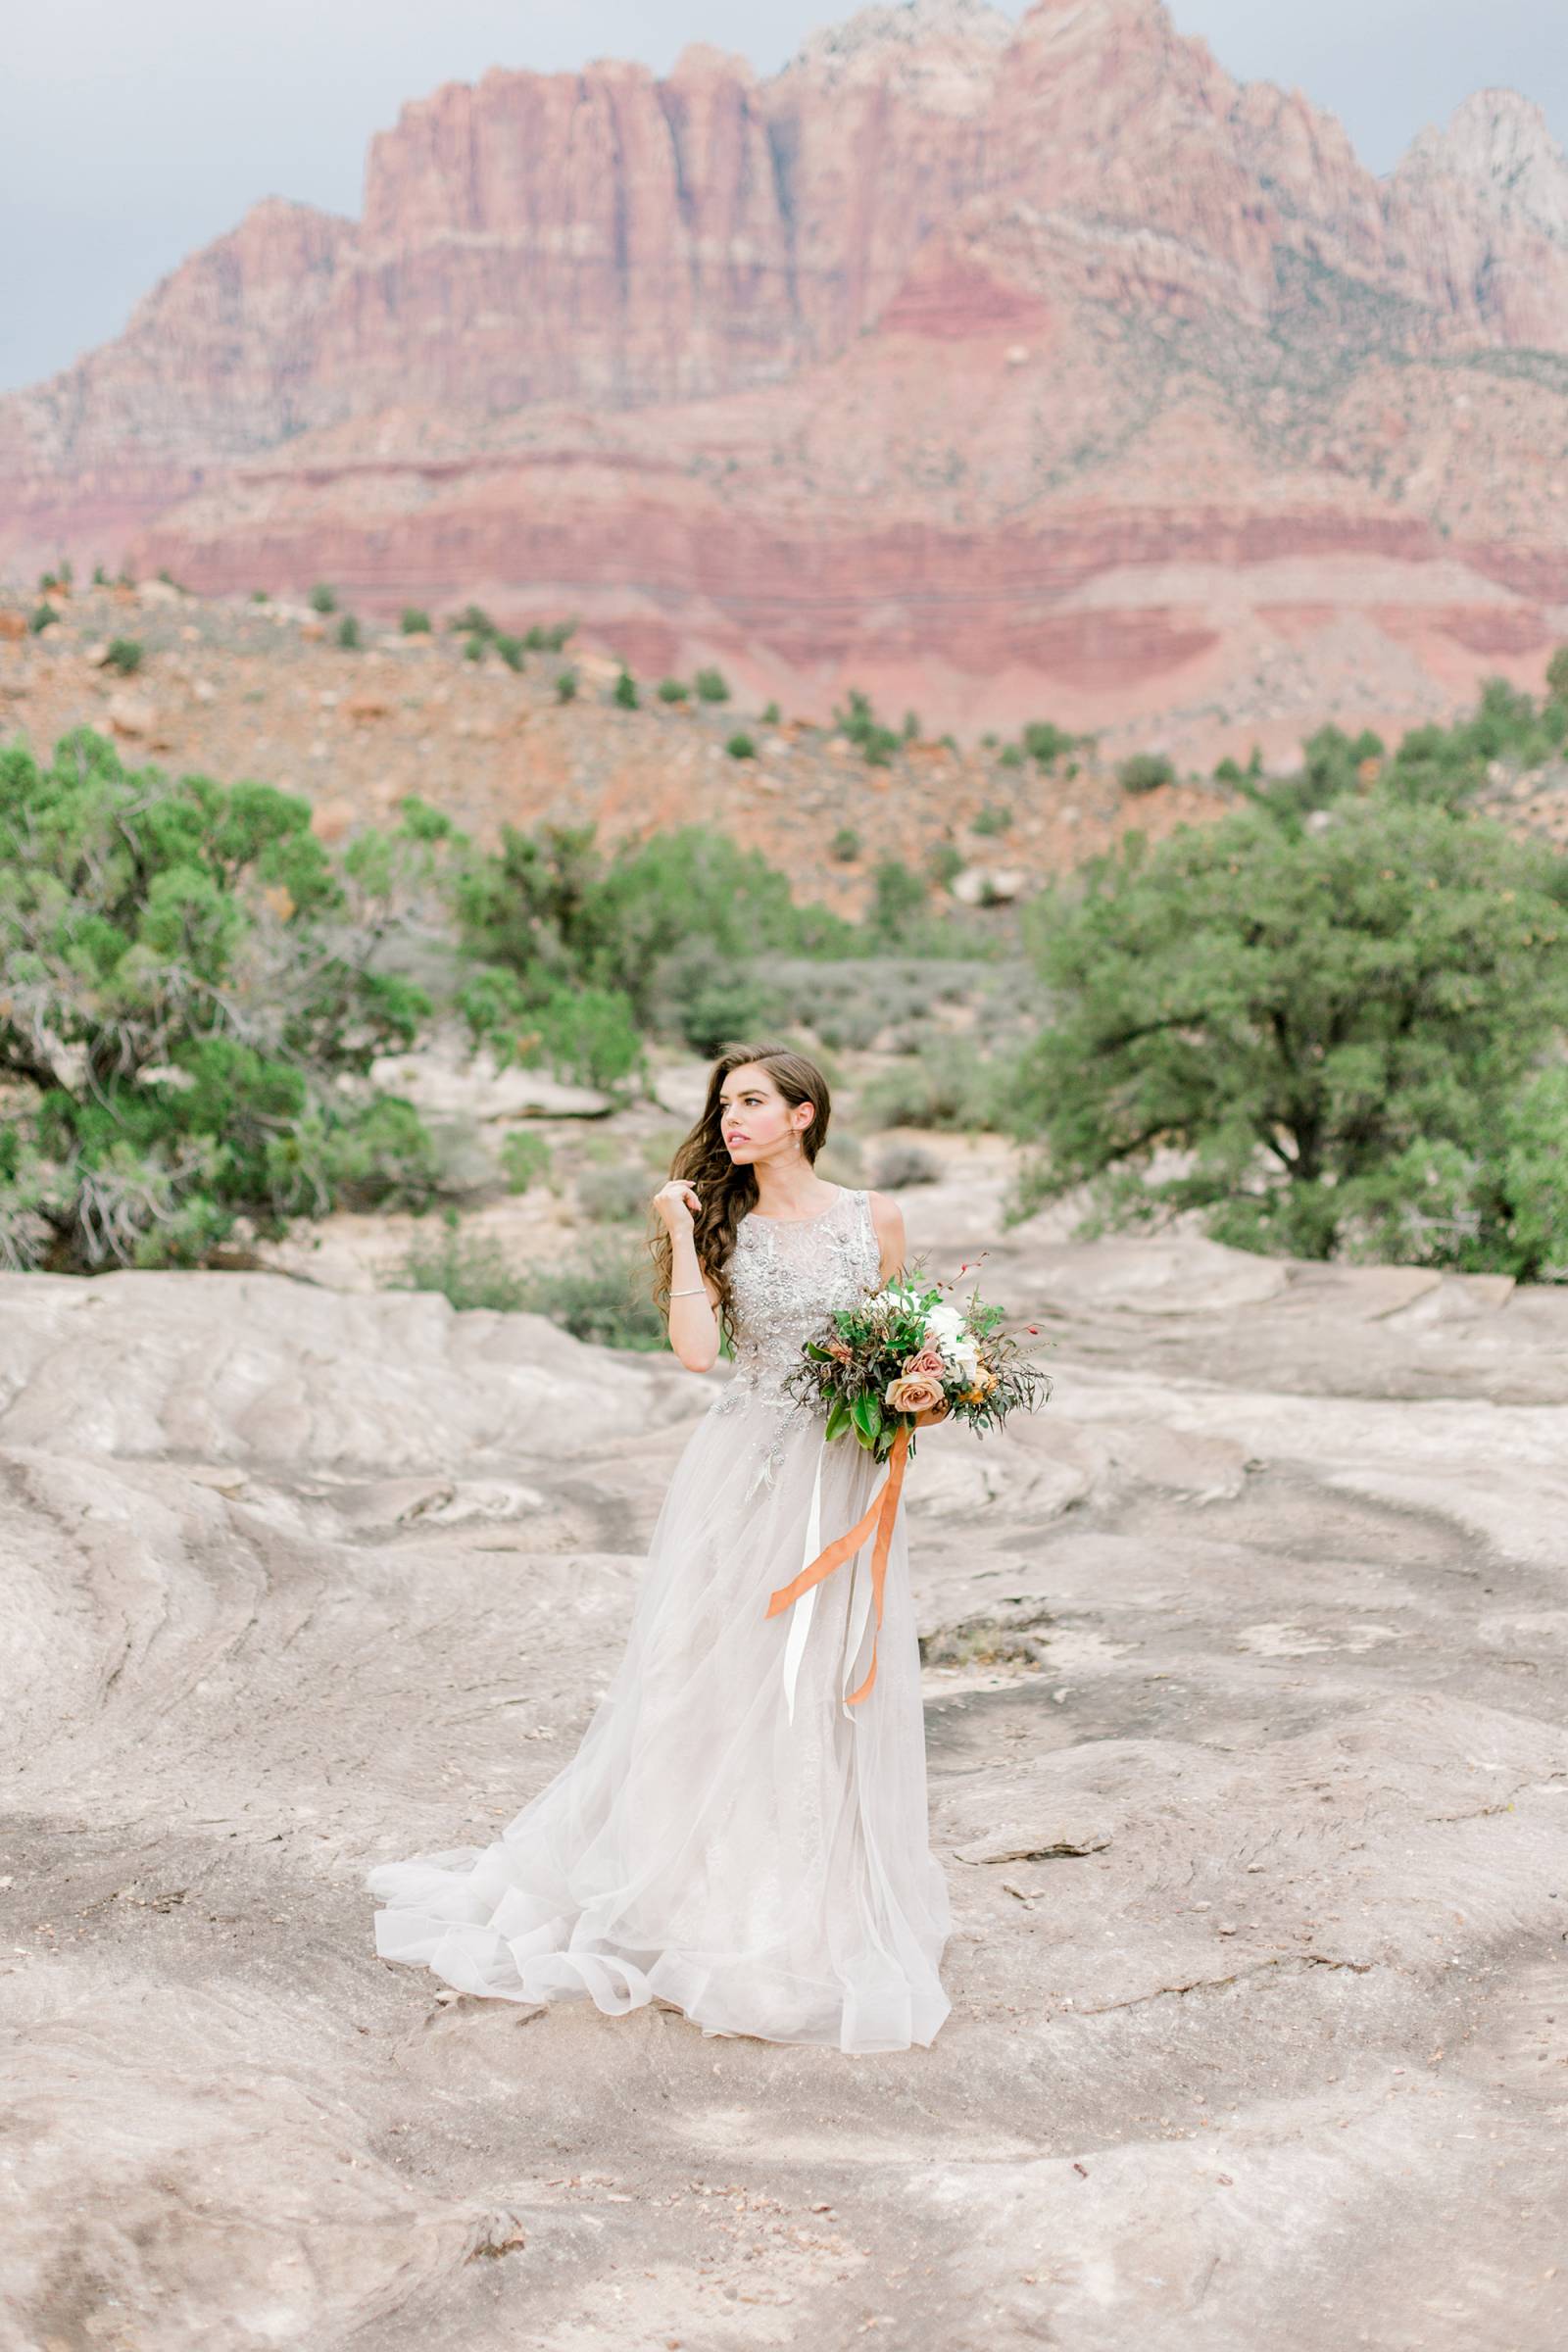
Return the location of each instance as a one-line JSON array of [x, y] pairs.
[[233, 689], [1247, 1666]]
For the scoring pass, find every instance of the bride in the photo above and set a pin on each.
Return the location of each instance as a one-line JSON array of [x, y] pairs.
[[733, 1838]]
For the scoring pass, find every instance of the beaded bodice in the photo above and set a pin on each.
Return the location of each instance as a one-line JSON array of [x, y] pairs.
[[786, 1277]]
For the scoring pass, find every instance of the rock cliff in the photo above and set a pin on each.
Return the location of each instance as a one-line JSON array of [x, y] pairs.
[[948, 351]]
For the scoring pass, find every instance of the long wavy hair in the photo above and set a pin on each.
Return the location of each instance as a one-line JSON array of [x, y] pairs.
[[728, 1190]]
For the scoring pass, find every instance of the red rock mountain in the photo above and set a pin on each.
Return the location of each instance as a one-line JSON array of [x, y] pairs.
[[1002, 369]]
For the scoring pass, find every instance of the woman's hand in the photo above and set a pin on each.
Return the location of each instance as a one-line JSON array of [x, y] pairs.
[[677, 1204], [932, 1413]]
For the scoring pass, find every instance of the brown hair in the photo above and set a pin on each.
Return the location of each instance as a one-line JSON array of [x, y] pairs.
[[728, 1191]]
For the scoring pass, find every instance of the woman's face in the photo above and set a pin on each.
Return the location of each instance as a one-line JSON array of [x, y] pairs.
[[755, 1121]]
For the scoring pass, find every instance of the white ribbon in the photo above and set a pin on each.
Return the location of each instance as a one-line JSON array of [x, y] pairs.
[[803, 1610]]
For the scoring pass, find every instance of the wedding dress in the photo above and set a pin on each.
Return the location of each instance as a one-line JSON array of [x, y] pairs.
[[731, 1836]]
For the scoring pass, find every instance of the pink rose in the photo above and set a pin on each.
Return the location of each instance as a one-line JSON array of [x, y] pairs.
[[928, 1360], [915, 1393]]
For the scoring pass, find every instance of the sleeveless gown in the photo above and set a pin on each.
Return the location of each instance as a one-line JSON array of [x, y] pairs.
[[753, 1854]]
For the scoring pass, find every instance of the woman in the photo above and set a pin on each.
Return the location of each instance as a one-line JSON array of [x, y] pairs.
[[734, 1840]]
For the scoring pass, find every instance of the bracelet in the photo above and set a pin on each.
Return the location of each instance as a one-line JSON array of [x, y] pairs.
[[689, 1294]]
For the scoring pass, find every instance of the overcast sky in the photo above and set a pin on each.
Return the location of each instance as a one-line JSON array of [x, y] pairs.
[[131, 132]]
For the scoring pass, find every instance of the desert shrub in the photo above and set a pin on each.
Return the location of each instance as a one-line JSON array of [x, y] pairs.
[[912, 726], [603, 1295], [1045, 742], [42, 616], [1010, 756], [509, 649], [192, 1007], [552, 639], [1347, 1030], [349, 635], [469, 1270], [472, 621], [475, 648], [415, 622], [771, 714], [323, 599], [899, 1165], [1557, 674], [991, 819], [944, 863], [943, 1087], [711, 686], [259, 596], [1145, 771], [525, 1160], [741, 746], [705, 998], [624, 690], [125, 654], [860, 722], [565, 686], [613, 1194], [674, 690], [845, 844]]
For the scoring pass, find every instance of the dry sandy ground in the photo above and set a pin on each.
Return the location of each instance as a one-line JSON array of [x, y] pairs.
[[1246, 1668]]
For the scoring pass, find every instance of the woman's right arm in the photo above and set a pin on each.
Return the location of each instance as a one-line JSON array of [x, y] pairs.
[[693, 1302]]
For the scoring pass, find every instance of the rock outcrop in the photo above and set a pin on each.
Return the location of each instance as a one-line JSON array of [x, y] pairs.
[[1247, 1663]]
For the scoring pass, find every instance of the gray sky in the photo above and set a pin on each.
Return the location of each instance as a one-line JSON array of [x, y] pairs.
[[131, 132]]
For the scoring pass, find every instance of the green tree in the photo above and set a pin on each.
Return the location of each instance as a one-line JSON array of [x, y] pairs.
[[193, 1002], [1321, 1018], [349, 635], [624, 692]]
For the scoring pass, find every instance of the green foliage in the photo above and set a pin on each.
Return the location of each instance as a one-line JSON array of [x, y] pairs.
[[99, 578], [56, 583], [945, 1086], [771, 714], [474, 648], [613, 1194], [845, 844], [469, 1270], [741, 746], [552, 640], [42, 616], [944, 863], [509, 649], [912, 726], [603, 1295], [991, 819], [860, 722], [567, 686], [1010, 756], [1557, 675], [415, 622], [124, 654], [472, 621], [323, 599], [192, 1007], [1342, 1026], [259, 596], [1146, 771], [674, 690], [624, 690], [348, 634], [711, 686], [525, 1160], [1046, 743]]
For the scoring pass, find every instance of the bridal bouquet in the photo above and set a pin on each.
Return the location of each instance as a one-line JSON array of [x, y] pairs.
[[905, 1350]]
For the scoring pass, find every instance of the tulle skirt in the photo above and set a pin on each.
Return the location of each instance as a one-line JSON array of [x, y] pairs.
[[758, 1858]]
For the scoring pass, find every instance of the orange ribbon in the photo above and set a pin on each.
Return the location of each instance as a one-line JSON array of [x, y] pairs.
[[880, 1514]]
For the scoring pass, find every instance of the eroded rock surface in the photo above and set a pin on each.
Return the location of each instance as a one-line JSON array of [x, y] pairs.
[[1246, 1668]]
